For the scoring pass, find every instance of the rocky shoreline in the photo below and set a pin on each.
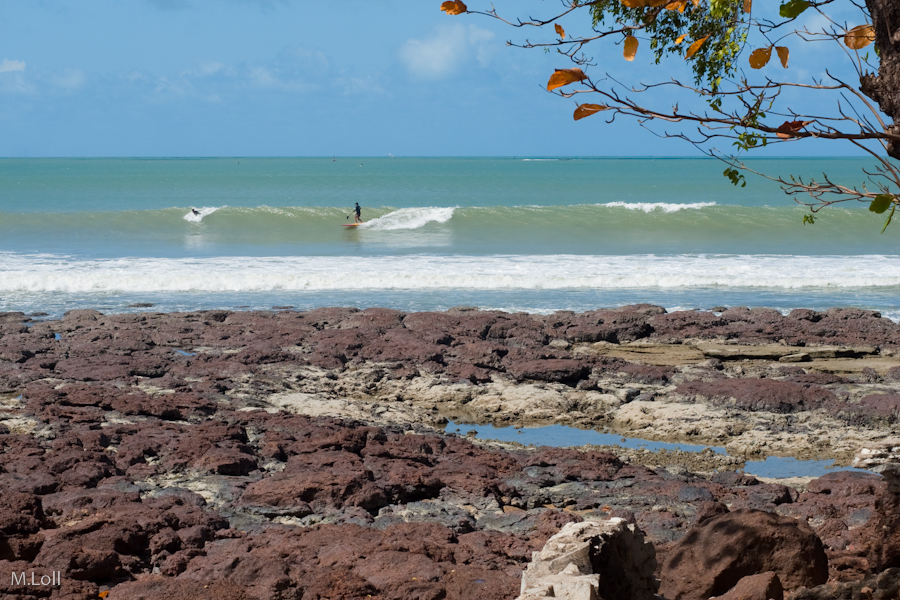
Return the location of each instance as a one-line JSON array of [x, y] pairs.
[[293, 454]]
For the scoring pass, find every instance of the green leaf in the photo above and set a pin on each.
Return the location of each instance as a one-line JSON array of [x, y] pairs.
[[735, 177], [881, 203], [811, 219], [793, 8], [888, 222]]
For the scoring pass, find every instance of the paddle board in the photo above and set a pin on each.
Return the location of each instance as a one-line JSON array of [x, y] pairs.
[[351, 224]]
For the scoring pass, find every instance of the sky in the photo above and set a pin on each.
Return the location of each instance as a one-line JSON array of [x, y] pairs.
[[302, 78]]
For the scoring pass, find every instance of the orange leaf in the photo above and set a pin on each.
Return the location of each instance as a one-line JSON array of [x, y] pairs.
[[760, 57], [748, 5], [454, 7], [783, 55], [678, 5], [560, 31], [692, 49], [631, 46], [859, 37], [680, 38], [787, 129], [586, 110], [103, 594], [563, 77]]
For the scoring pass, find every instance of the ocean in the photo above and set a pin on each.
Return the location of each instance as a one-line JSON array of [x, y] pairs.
[[515, 234]]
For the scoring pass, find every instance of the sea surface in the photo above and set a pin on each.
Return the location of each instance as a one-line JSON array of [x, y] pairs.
[[515, 234]]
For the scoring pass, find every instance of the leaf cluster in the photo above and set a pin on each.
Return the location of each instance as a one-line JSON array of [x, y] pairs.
[[723, 22]]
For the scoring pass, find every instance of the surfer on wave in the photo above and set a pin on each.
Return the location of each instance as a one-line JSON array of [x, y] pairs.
[[358, 211]]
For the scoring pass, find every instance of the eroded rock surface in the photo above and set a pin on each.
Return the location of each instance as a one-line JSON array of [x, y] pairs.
[[285, 454]]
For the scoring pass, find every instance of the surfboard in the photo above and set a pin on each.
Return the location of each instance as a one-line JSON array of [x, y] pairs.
[[351, 224]]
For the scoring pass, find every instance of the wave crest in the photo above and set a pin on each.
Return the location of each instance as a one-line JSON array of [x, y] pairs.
[[410, 218], [662, 206], [204, 212]]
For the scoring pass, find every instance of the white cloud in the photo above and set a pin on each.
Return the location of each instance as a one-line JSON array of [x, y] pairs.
[[13, 79], [441, 55], [210, 67], [265, 78], [9, 66], [70, 79]]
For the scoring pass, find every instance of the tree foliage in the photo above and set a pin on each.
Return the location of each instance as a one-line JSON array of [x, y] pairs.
[[729, 47]]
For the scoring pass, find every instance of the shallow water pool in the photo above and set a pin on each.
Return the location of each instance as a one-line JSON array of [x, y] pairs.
[[563, 436]]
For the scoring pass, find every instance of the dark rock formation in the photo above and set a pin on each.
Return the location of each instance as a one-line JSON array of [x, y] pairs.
[[714, 556]]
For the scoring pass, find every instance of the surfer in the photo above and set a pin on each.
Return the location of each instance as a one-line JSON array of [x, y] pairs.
[[195, 212], [358, 211]]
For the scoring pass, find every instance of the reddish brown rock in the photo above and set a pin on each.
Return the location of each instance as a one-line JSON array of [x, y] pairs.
[[761, 394], [765, 586], [720, 551], [404, 345], [158, 587], [852, 517], [562, 370]]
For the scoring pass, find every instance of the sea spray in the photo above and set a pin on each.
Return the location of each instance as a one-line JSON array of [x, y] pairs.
[[196, 217], [410, 218], [660, 206]]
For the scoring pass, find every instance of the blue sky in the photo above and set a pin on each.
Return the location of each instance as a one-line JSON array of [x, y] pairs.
[[292, 78]]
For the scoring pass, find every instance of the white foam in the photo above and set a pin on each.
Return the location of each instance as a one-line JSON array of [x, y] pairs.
[[893, 315], [47, 273], [662, 206], [410, 218], [204, 212]]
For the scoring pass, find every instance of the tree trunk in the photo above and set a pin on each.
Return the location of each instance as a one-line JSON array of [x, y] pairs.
[[884, 87]]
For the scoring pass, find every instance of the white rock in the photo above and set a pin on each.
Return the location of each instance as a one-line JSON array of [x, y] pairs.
[[573, 563]]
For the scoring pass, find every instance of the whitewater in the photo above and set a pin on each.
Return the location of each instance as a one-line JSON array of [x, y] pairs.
[[508, 234]]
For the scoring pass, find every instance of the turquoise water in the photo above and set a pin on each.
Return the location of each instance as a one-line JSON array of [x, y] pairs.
[[513, 234]]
